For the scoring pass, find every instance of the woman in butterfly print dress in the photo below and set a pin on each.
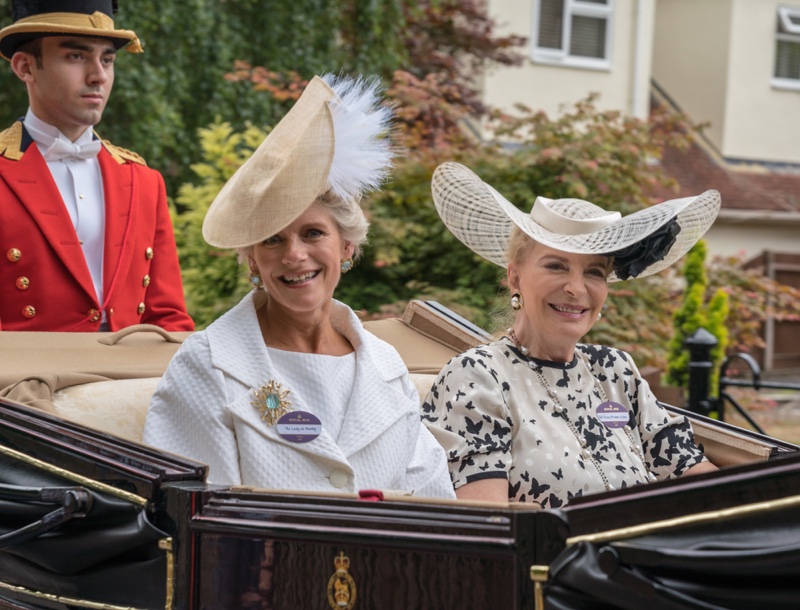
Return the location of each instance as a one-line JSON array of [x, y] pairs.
[[536, 416]]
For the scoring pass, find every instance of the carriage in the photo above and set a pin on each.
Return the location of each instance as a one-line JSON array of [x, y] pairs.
[[92, 518]]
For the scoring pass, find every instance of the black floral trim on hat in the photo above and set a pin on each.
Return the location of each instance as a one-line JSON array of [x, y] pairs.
[[631, 261]]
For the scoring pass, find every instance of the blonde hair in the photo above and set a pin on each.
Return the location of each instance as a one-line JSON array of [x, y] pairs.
[[348, 216], [519, 244]]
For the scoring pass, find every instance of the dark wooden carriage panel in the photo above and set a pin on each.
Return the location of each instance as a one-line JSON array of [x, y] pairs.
[[400, 553]]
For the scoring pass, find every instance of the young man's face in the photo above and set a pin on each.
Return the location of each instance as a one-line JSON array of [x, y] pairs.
[[70, 86]]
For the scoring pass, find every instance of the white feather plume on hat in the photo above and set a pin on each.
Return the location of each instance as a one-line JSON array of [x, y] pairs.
[[362, 158]]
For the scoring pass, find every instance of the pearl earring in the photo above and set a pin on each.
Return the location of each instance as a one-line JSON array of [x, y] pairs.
[[517, 301]]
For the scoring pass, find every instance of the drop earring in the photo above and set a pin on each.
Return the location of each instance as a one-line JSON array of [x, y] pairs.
[[517, 301], [256, 281], [347, 264]]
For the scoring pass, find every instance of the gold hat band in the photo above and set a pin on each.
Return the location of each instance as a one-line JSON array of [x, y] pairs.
[[97, 24]]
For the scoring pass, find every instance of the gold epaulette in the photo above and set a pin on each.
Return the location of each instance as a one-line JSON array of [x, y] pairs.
[[123, 155], [10, 139]]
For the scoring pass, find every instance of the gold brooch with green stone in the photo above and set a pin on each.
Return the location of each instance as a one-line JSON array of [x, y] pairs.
[[271, 402]]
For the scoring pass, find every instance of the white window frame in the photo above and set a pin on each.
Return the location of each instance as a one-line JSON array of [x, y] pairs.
[[791, 34], [561, 57]]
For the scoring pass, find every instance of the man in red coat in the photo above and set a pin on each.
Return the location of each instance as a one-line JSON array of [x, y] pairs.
[[86, 240]]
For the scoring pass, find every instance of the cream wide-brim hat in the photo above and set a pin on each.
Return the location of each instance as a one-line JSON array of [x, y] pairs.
[[482, 219], [96, 25], [282, 178]]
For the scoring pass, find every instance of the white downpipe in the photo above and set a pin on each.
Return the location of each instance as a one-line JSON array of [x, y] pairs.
[[637, 59]]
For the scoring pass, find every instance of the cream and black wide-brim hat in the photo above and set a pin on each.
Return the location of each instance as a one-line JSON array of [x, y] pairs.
[[335, 137], [91, 18], [642, 243]]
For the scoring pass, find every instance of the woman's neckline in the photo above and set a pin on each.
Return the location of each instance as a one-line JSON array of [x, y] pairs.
[[293, 352], [541, 361]]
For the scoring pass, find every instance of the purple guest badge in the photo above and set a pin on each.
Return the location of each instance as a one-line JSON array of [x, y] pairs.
[[613, 414], [299, 426]]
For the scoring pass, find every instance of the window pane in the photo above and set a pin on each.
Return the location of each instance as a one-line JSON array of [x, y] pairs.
[[595, 1], [787, 60], [551, 21], [588, 37]]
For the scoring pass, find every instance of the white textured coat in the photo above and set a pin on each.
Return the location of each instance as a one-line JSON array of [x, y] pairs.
[[202, 409]]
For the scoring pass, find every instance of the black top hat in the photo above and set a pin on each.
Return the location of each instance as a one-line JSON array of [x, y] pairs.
[[93, 18]]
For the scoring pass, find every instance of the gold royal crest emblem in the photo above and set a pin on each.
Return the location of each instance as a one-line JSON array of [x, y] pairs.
[[341, 586]]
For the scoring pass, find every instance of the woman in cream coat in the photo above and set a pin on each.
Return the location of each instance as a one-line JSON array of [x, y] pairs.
[[287, 390]]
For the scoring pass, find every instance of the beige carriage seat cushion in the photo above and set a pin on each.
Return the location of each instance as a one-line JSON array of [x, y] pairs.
[[725, 447], [423, 383], [116, 406], [101, 380]]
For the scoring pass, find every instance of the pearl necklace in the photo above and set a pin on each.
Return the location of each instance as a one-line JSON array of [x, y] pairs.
[[561, 411]]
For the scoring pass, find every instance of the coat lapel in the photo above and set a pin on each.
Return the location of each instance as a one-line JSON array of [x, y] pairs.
[[30, 180], [377, 402], [119, 187]]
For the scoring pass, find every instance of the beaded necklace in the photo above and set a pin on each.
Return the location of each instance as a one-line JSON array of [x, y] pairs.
[[562, 412]]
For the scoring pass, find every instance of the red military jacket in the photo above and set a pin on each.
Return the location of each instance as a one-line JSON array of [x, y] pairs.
[[45, 284]]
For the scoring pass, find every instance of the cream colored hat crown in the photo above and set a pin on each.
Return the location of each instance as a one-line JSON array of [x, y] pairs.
[[93, 18], [642, 243], [335, 137]]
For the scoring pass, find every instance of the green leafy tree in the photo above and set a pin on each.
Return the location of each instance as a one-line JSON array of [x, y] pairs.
[[190, 102], [431, 104], [164, 96], [753, 299], [716, 324], [212, 278], [696, 312]]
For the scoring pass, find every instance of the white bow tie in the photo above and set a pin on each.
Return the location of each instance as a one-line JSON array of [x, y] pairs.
[[63, 149]]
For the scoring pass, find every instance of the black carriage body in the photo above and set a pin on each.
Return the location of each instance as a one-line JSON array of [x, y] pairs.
[[204, 547]]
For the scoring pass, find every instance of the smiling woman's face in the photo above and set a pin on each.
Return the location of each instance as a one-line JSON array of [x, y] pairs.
[[562, 295], [301, 265]]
